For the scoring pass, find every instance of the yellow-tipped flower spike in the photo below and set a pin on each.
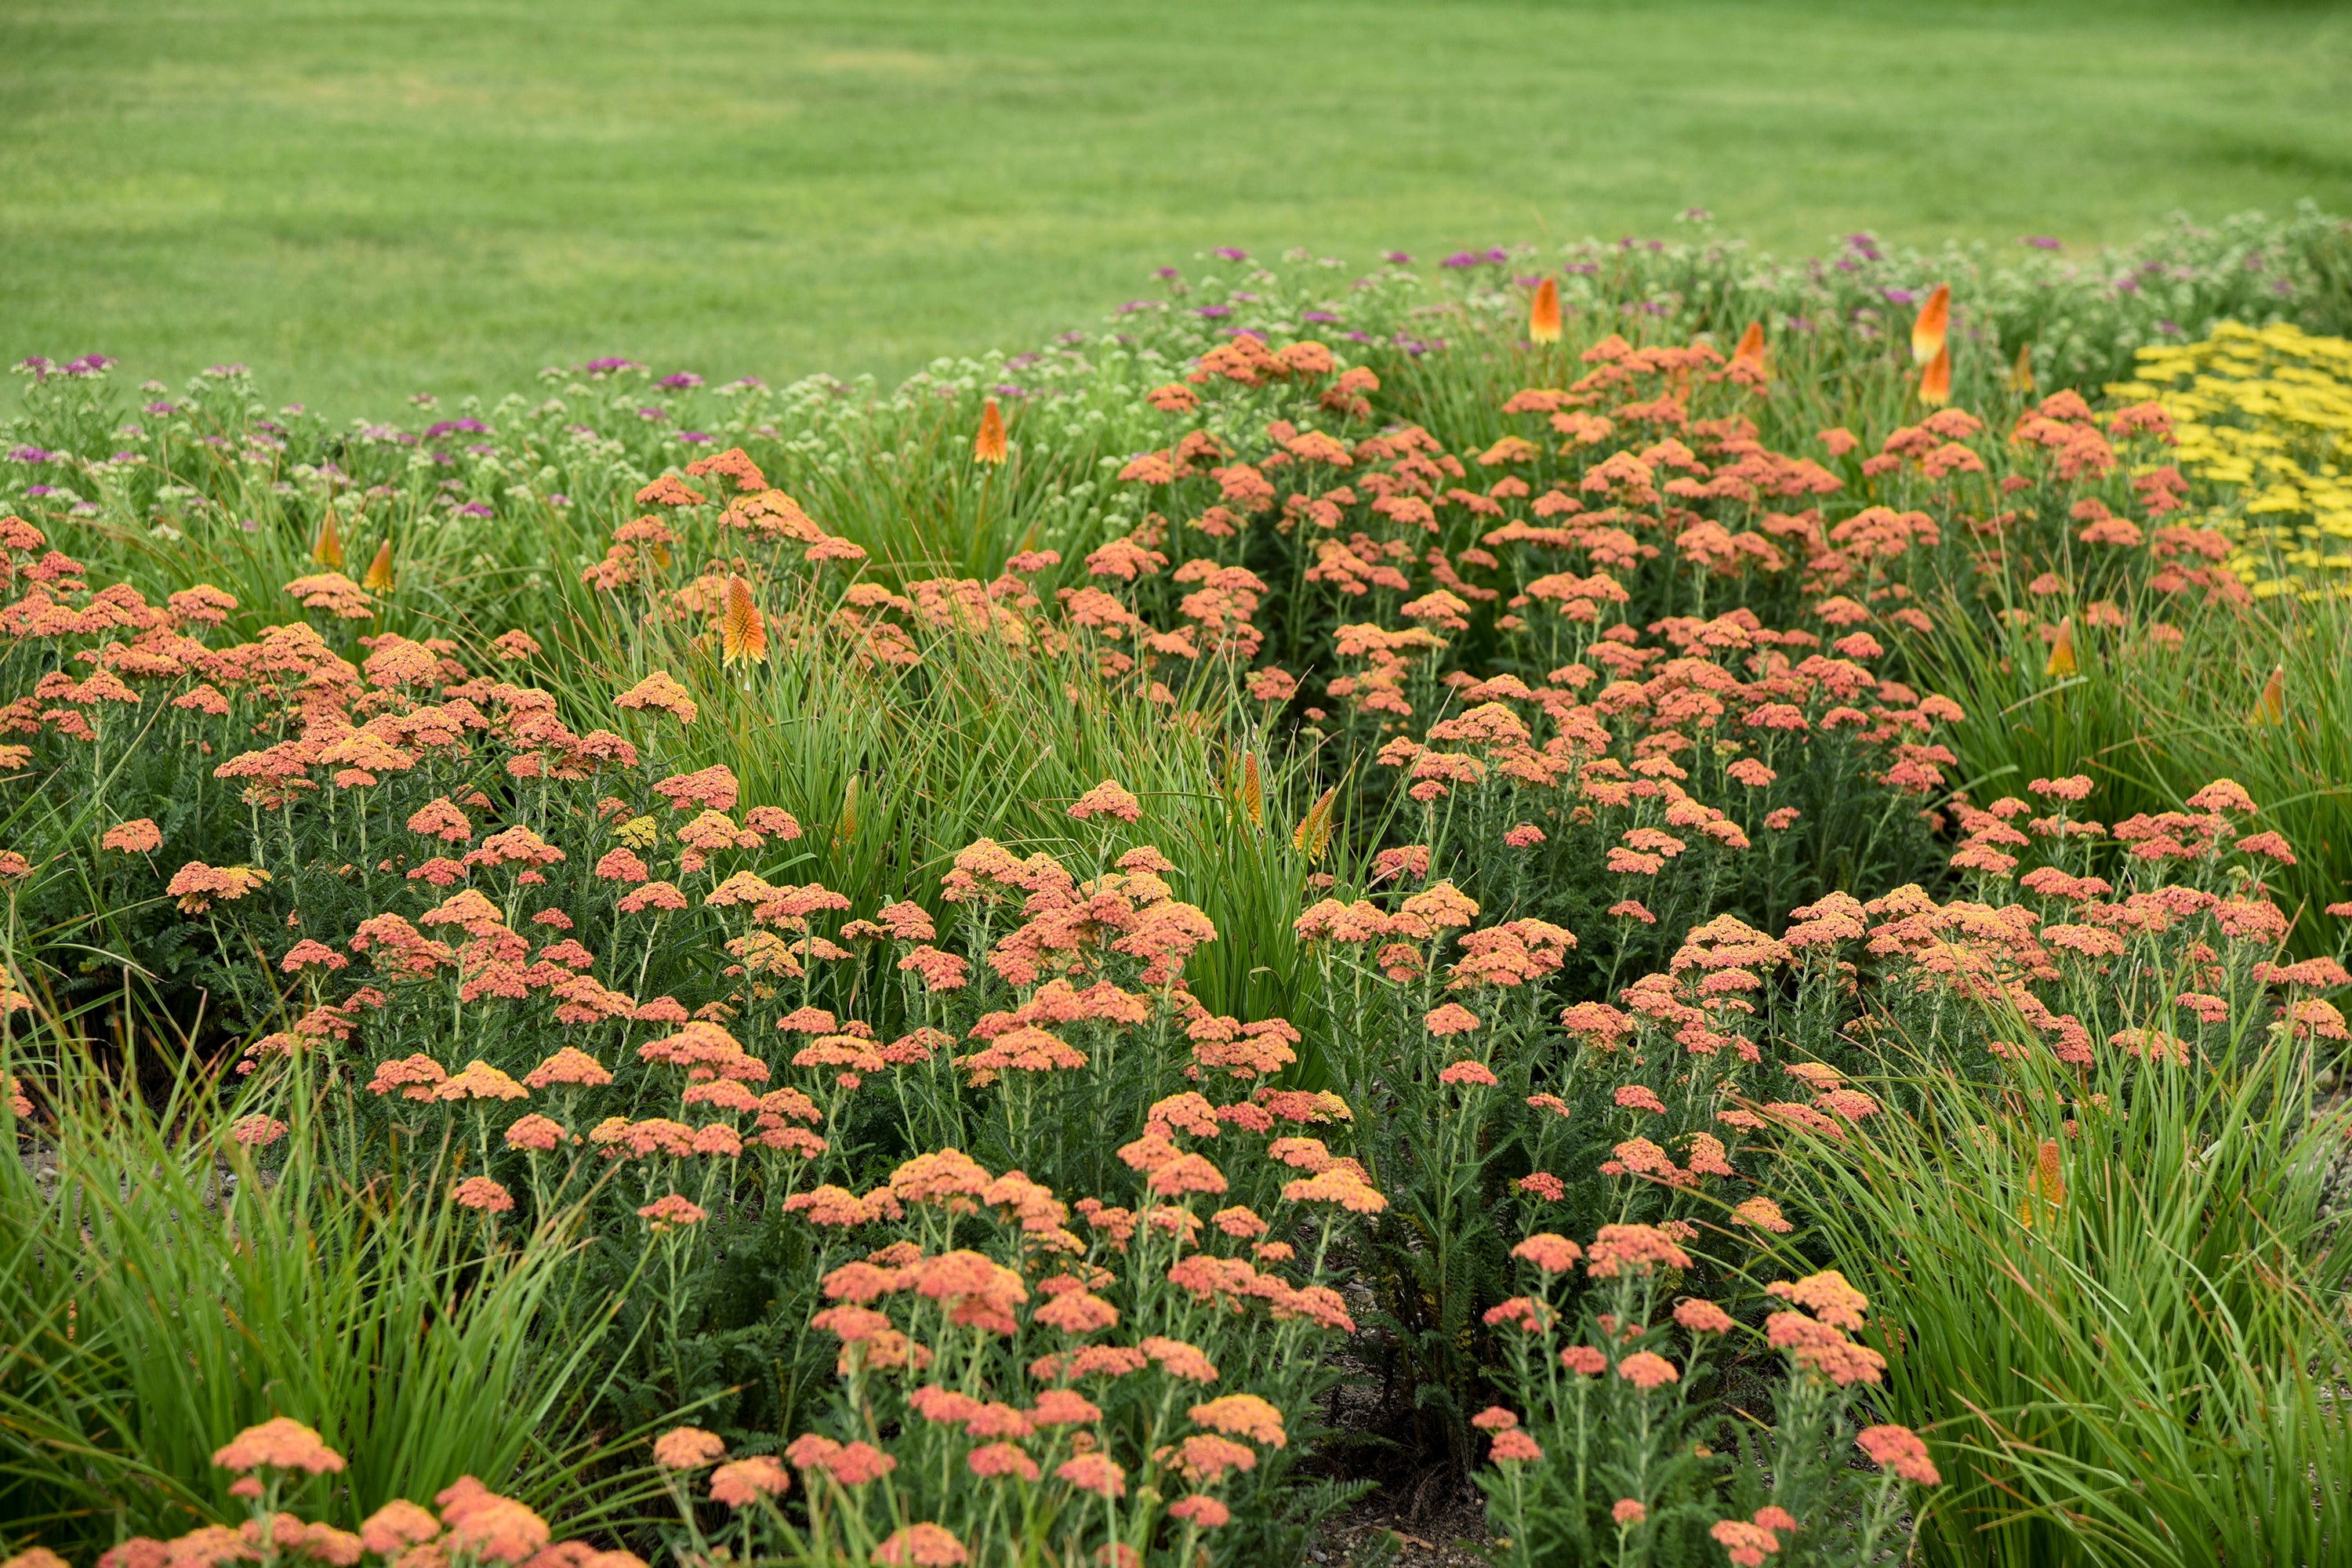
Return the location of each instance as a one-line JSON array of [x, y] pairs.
[[742, 630], [2062, 651], [1252, 790], [2020, 374], [1929, 328], [988, 447], [2270, 708], [327, 550], [1936, 381], [1313, 835], [1543, 313], [379, 578]]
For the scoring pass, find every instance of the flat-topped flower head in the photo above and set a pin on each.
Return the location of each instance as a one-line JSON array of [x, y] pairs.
[[742, 1482], [482, 1195], [1634, 1248], [283, 1444], [1109, 798], [688, 1448], [1897, 1449]]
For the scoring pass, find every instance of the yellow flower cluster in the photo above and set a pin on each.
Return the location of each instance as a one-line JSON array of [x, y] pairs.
[[2264, 422]]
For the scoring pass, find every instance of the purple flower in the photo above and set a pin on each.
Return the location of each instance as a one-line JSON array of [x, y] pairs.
[[1246, 299], [1132, 306], [2126, 285], [1358, 337], [1006, 389], [1396, 258], [558, 500], [654, 416], [1497, 256], [89, 364], [1022, 361], [1461, 258], [1229, 253], [1531, 280], [1214, 313], [693, 437], [161, 410], [248, 525], [1245, 333], [222, 372], [1322, 317], [1697, 215], [1168, 272], [477, 509], [1898, 296], [682, 380], [1073, 336], [40, 490], [1583, 268], [39, 364], [31, 455], [469, 427], [1801, 324], [750, 384], [127, 457], [2169, 329], [609, 366], [2040, 242]]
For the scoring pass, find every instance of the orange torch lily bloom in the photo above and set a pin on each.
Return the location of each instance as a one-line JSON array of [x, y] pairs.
[[2270, 708], [1751, 347], [742, 630], [1543, 313], [2062, 651], [1936, 381], [379, 578], [327, 548], [988, 447], [1928, 330]]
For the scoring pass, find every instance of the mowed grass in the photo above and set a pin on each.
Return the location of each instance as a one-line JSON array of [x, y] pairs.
[[366, 198]]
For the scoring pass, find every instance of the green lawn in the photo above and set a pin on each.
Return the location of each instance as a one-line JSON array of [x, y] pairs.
[[367, 199]]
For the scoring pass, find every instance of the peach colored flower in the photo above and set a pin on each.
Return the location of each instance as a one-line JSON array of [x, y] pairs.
[[136, 836], [688, 1448], [1552, 1254], [1109, 798], [482, 1194], [1647, 1370], [1513, 1446], [1899, 1449], [281, 1444], [1095, 1473], [742, 1482]]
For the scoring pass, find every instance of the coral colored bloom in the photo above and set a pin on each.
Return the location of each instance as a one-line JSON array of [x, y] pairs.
[[1242, 1416], [1899, 1449], [283, 1444], [1584, 1360], [742, 1482], [688, 1448], [1202, 1511], [1702, 1317], [1109, 798], [1513, 1446], [1094, 1473], [673, 1210], [1647, 1370], [1628, 1512], [1749, 1544], [1494, 1418], [482, 1194], [1449, 1020], [1552, 1254], [922, 1545], [1639, 1097], [1469, 1072], [135, 836]]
